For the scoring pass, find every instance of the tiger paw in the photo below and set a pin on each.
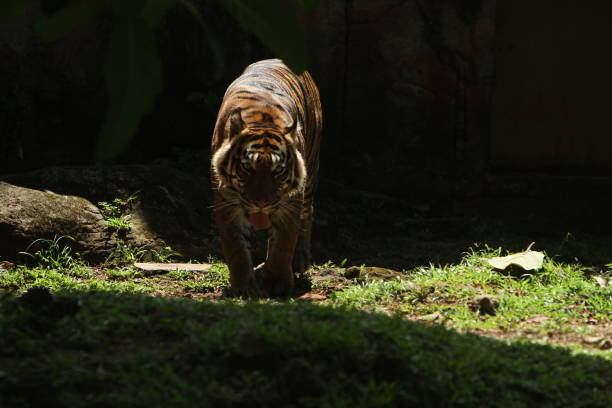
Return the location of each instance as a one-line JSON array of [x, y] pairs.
[[247, 288], [278, 288], [275, 282], [248, 292]]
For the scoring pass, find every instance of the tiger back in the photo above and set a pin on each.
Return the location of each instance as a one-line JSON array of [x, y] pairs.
[[265, 160]]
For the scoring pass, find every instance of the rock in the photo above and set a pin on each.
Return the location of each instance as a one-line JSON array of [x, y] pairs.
[[171, 207], [27, 215], [484, 304], [330, 278], [352, 272], [593, 339], [377, 273], [430, 317]]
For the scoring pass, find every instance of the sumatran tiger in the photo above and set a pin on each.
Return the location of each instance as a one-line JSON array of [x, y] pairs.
[[265, 160]]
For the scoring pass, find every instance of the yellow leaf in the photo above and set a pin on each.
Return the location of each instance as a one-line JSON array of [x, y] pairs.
[[527, 260]]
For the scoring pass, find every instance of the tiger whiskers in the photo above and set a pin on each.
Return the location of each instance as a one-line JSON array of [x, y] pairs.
[[287, 212], [224, 204]]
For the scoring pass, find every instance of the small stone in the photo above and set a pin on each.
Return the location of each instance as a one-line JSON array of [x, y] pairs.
[[484, 304], [430, 317], [593, 339], [352, 272], [605, 344], [376, 273]]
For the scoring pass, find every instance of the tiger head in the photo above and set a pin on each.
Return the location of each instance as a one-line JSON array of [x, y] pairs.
[[259, 162]]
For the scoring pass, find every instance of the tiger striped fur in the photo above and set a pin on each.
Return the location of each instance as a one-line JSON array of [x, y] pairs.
[[265, 160]]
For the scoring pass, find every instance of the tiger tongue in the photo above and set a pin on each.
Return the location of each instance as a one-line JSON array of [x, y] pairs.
[[259, 220]]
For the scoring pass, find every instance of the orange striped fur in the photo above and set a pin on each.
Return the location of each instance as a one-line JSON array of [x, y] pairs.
[[265, 160]]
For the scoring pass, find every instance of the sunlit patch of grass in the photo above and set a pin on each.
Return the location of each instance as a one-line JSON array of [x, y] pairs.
[[215, 279], [559, 298], [114, 286], [122, 274], [373, 294], [23, 278], [180, 275]]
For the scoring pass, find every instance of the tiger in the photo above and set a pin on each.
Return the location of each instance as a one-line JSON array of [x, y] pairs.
[[264, 168]]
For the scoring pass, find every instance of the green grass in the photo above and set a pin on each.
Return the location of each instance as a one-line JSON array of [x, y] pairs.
[[74, 335], [107, 349], [54, 253], [559, 302], [214, 280]]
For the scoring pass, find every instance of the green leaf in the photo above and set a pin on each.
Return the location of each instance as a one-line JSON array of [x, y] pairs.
[[188, 4], [308, 4], [133, 78], [153, 10], [11, 8], [68, 18], [527, 260], [275, 24]]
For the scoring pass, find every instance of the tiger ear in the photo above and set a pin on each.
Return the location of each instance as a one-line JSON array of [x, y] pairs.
[[289, 129], [289, 132], [236, 122]]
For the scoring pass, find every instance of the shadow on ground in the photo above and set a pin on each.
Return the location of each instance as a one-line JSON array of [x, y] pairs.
[[373, 229], [109, 349], [173, 208]]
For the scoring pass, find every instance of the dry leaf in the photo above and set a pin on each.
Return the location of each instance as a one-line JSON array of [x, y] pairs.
[[527, 260], [312, 297], [603, 282]]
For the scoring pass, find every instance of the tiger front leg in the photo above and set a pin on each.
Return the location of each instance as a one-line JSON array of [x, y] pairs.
[[277, 272], [236, 253]]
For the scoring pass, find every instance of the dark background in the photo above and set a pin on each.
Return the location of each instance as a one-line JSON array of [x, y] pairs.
[[446, 106]]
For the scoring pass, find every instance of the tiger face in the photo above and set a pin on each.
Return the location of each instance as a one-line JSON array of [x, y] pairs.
[[260, 166]]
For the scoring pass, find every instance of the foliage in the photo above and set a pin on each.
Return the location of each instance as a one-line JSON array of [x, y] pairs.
[[52, 254], [11, 8], [125, 253], [274, 23], [165, 255], [132, 69], [118, 222], [114, 213]]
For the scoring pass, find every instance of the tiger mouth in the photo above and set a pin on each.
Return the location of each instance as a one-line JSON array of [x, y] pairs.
[[259, 220]]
